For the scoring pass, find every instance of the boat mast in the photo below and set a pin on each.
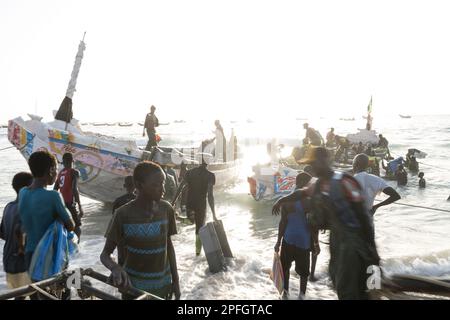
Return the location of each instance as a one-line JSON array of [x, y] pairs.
[[65, 110], [369, 115], [76, 69]]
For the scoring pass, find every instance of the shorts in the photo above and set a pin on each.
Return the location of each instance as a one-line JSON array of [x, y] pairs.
[[17, 280], [198, 216], [290, 253]]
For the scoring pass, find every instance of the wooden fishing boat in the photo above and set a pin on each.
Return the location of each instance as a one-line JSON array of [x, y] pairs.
[[103, 161], [125, 124], [273, 180]]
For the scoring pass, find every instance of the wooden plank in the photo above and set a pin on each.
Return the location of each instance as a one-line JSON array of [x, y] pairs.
[[43, 292], [144, 297], [28, 290], [418, 284], [98, 293], [132, 291]]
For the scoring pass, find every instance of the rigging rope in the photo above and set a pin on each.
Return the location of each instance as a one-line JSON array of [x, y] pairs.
[[416, 206]]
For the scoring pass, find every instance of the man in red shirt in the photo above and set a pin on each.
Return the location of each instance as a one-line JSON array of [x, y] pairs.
[[67, 184]]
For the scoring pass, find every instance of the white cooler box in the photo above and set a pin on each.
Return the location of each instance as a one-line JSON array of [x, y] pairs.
[[211, 246]]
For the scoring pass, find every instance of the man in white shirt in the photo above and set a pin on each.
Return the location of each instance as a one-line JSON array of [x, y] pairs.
[[371, 184]]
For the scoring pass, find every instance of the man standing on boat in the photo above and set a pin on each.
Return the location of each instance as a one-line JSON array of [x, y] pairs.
[[313, 135], [151, 122], [221, 142], [330, 138]]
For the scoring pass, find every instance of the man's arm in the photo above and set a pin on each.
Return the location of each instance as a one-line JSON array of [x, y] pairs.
[[56, 186], [367, 229], [76, 192], [145, 126], [180, 189], [20, 237], [63, 214], [173, 269], [281, 229], [294, 196], [2, 233], [393, 196], [115, 206], [69, 225], [211, 200], [364, 219], [356, 200], [315, 238], [119, 276], [174, 176]]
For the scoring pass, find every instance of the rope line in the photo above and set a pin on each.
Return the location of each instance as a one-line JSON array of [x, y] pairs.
[[21, 148], [416, 206], [7, 148]]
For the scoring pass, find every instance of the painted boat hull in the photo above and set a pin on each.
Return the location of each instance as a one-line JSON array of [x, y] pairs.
[[103, 161]]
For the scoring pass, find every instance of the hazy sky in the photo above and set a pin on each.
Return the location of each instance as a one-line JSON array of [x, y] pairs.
[[225, 59]]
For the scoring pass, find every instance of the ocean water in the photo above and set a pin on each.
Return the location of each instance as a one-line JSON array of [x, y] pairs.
[[410, 240]]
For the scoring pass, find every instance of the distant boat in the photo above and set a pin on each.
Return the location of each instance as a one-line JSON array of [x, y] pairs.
[[347, 119], [404, 116], [179, 121], [99, 124], [125, 124]]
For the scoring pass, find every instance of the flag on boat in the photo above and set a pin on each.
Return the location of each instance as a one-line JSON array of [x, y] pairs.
[[369, 107]]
